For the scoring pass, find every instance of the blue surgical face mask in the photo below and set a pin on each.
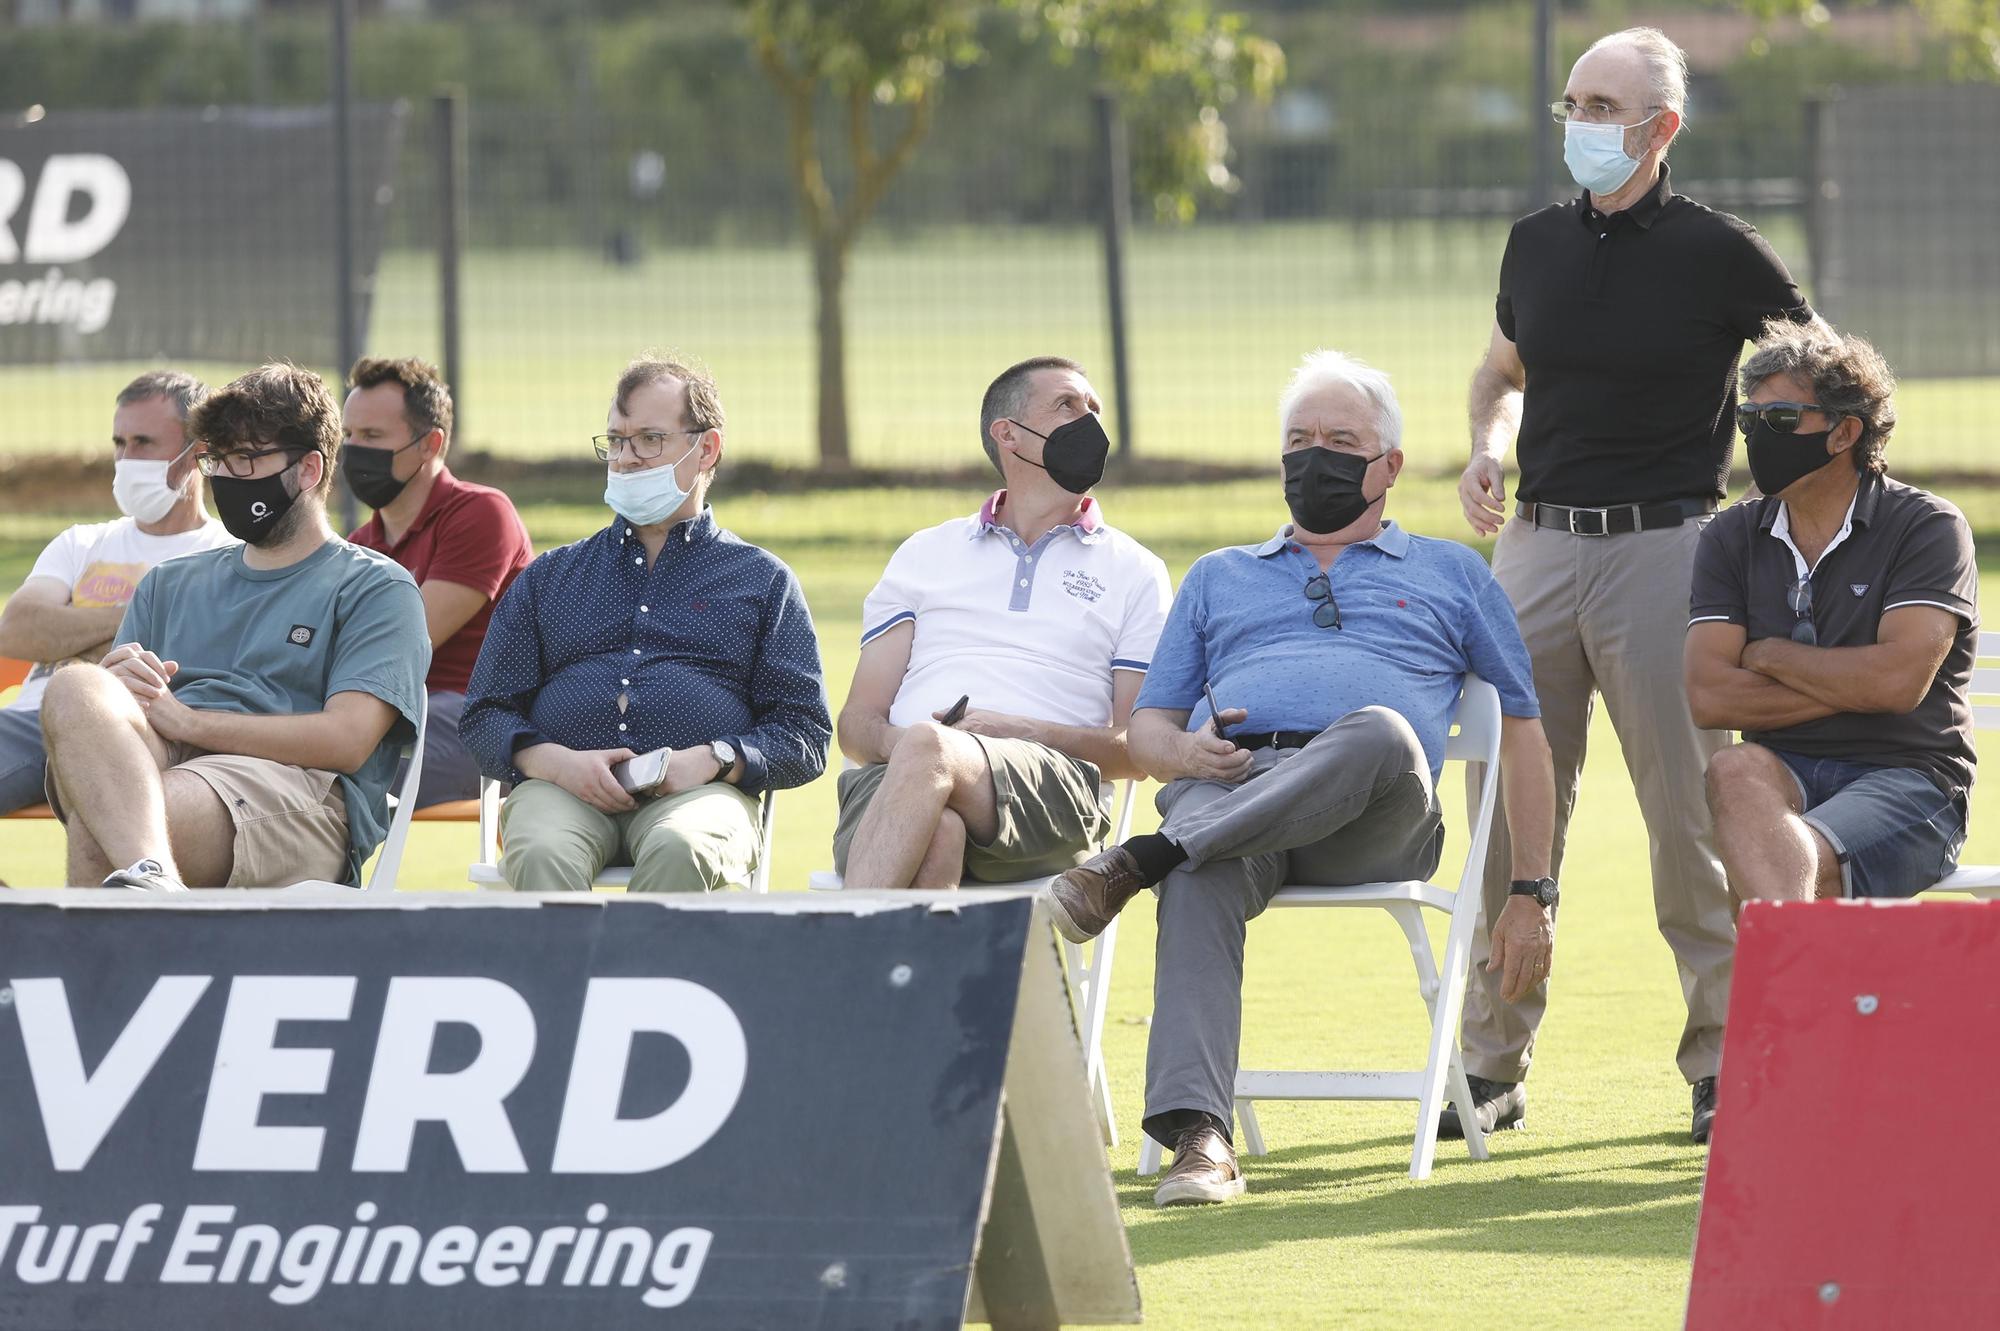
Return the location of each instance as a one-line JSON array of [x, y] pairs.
[[645, 498], [1596, 156]]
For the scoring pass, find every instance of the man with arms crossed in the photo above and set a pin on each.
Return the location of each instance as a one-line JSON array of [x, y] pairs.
[[1336, 650], [1620, 319], [245, 729], [662, 631], [463, 543], [1038, 614], [1834, 622], [70, 605]]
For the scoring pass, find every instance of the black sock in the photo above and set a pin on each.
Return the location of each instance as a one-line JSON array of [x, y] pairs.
[[1157, 857]]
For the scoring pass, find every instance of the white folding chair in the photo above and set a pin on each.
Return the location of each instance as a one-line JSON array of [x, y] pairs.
[[1475, 740], [1980, 880], [1087, 965], [487, 873], [403, 804]]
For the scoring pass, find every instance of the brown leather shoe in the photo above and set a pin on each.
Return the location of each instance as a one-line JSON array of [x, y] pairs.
[[1085, 899], [1204, 1170]]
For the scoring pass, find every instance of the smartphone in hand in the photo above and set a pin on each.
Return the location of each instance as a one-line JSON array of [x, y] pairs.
[[957, 712], [640, 775], [1214, 709]]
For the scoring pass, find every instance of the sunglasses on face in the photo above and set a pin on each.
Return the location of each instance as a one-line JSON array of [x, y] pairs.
[[1782, 417], [1326, 610]]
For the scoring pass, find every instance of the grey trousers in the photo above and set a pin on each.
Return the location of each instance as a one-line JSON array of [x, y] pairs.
[[450, 770], [1354, 806], [1607, 614], [22, 760]]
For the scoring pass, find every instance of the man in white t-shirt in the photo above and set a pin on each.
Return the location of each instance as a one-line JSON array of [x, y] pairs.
[[1000, 654], [70, 606]]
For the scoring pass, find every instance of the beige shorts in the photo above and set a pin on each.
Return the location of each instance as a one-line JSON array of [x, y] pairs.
[[1052, 812], [291, 822]]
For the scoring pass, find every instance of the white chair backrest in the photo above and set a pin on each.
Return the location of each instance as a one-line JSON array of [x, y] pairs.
[[390, 861], [1985, 691], [1475, 738]]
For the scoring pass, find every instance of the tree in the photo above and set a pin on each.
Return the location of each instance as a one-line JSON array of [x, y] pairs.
[[1970, 28], [884, 64]]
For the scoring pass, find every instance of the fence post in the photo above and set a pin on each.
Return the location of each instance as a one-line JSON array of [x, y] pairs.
[[450, 147], [1117, 176], [347, 336], [1541, 136]]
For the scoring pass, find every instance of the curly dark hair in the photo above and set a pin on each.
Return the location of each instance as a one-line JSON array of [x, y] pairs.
[[426, 399], [274, 406], [1848, 378]]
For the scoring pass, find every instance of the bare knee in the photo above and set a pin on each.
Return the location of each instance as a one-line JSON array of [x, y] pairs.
[[76, 694], [924, 748], [1747, 774]]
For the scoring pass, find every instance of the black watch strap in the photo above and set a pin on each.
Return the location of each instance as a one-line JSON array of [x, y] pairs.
[[1543, 890]]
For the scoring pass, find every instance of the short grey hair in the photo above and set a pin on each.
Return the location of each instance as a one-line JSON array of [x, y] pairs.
[[1333, 369], [183, 390], [1008, 394], [1666, 64], [1848, 377]]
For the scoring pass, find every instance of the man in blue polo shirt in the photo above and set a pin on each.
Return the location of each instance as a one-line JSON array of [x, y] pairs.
[[1336, 651]]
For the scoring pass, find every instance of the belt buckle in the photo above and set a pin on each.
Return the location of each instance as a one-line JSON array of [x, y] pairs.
[[1603, 521]]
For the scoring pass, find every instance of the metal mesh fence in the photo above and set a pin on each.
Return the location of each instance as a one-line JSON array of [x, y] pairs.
[[1371, 203]]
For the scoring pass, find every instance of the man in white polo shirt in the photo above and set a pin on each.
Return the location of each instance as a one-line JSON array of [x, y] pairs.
[[1000, 655]]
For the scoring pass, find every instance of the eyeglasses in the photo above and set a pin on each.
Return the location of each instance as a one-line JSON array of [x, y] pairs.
[[241, 463], [646, 445], [1782, 417], [1326, 610], [1592, 112], [1799, 598]]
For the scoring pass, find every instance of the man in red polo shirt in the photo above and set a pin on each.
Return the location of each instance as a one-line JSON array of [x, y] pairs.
[[463, 543]]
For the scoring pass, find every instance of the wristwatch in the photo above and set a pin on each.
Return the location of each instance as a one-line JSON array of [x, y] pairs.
[[1543, 890], [725, 758]]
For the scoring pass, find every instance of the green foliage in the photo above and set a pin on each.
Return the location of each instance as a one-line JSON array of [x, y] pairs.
[[1970, 28]]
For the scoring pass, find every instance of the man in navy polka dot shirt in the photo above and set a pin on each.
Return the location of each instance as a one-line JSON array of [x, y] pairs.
[[661, 631]]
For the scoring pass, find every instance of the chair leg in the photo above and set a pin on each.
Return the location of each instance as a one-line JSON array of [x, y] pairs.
[[1253, 1133], [1089, 981], [1149, 1156]]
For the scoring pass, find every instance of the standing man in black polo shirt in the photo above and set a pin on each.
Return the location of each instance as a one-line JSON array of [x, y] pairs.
[[1620, 319], [1834, 623]]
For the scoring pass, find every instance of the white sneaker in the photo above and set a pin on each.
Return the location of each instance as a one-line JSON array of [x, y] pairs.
[[146, 876]]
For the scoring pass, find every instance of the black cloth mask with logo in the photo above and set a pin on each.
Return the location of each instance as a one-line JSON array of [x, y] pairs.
[[1778, 461], [249, 509], [1073, 453], [1323, 488]]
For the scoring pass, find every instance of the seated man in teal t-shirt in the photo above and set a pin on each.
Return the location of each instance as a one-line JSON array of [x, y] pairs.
[[245, 727]]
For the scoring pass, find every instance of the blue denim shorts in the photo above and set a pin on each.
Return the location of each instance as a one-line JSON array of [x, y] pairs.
[[1895, 831]]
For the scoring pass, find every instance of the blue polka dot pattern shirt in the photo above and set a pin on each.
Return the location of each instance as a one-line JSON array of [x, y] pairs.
[[1416, 614], [591, 649]]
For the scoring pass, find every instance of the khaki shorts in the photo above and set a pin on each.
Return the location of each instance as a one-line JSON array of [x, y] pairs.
[[291, 822], [1053, 812]]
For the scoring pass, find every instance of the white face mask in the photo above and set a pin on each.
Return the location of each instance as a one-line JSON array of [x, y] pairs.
[[1596, 157], [649, 497], [141, 489]]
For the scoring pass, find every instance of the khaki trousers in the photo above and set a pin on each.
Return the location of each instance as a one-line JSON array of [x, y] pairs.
[[697, 841], [1607, 614]]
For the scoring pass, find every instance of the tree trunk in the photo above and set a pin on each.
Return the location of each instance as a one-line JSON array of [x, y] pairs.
[[830, 328]]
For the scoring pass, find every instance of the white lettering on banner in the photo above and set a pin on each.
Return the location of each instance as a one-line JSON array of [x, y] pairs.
[[249, 1065], [592, 1138], [209, 1248], [402, 1092], [79, 1109], [54, 237]]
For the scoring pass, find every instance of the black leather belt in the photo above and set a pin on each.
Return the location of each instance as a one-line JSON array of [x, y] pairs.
[[1616, 520], [1274, 739]]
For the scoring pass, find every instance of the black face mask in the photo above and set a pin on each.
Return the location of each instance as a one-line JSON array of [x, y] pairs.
[[1074, 453], [1777, 461], [1323, 488], [252, 509], [370, 473]]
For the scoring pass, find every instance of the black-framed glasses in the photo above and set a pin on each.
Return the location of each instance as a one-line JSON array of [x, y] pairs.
[[241, 463], [1782, 417], [1799, 598], [1326, 610], [645, 445]]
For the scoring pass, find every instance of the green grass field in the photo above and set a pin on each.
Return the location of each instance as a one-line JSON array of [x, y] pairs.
[[1586, 1220], [1219, 315]]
